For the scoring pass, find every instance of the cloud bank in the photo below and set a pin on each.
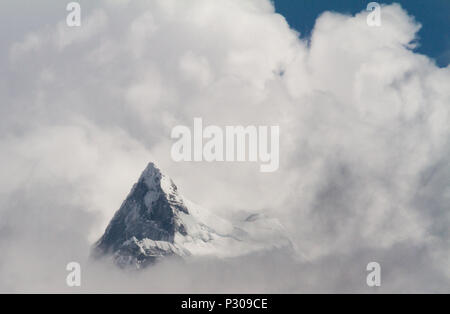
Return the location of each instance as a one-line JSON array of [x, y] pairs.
[[364, 168]]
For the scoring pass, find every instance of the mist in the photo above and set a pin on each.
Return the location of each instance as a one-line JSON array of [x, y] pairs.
[[364, 141]]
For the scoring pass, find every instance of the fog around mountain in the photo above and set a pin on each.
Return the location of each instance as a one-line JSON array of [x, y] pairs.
[[364, 129]]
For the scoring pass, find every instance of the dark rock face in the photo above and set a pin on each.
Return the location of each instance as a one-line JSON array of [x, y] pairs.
[[148, 212]]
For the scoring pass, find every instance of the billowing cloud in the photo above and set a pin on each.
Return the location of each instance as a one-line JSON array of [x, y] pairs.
[[363, 156]]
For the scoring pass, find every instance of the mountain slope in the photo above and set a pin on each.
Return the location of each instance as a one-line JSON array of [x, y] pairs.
[[155, 221]]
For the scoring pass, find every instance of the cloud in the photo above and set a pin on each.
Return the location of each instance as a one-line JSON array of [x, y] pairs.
[[363, 155]]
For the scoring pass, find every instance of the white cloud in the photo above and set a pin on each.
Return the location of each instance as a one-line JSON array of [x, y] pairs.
[[363, 121]]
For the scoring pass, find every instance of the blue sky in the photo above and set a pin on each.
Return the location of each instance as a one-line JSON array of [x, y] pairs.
[[434, 15]]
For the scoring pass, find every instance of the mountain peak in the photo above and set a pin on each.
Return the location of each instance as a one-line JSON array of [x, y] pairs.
[[151, 171], [155, 221]]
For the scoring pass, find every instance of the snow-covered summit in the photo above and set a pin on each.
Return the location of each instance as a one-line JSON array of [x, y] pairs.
[[155, 221]]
